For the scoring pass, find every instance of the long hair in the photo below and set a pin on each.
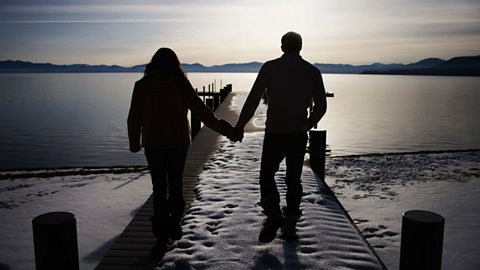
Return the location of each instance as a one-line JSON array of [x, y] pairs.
[[166, 61]]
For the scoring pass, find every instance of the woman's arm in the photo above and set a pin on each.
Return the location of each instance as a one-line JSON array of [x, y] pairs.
[[204, 113], [134, 121]]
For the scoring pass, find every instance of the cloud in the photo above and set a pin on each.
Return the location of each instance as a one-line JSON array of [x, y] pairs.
[[89, 12], [215, 32]]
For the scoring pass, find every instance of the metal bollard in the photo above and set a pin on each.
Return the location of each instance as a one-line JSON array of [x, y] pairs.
[[316, 148], [422, 240], [55, 241]]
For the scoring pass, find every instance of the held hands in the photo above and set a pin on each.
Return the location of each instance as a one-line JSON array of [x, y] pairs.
[[235, 135]]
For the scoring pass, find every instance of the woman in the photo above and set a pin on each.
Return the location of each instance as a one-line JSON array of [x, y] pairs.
[[158, 121]]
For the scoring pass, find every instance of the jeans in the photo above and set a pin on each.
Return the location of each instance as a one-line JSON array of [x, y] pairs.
[[166, 169], [276, 147]]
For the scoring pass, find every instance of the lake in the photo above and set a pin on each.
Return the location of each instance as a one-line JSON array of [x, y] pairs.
[[75, 120]]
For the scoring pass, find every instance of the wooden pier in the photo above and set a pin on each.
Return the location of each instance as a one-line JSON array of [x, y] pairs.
[[134, 248]]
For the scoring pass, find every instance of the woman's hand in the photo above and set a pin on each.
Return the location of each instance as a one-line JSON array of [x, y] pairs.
[[135, 148]]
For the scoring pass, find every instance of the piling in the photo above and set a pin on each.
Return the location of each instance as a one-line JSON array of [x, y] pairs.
[[55, 241], [209, 103], [216, 100], [316, 149], [422, 240]]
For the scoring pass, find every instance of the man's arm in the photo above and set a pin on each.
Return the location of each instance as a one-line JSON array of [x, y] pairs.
[[253, 99], [320, 103]]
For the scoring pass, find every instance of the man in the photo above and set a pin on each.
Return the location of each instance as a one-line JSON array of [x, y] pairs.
[[291, 84]]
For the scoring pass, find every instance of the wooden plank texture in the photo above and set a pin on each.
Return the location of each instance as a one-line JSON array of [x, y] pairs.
[[132, 249]]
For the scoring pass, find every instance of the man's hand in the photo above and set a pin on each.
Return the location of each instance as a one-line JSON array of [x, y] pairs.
[[236, 135]]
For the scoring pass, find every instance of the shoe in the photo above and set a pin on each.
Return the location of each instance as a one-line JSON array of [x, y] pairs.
[[162, 245], [174, 228], [159, 228], [290, 229], [269, 228]]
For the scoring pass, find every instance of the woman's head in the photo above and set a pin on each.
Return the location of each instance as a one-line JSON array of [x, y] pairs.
[[165, 60]]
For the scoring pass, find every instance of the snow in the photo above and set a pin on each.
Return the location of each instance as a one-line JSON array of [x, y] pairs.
[[221, 227], [378, 189], [103, 205]]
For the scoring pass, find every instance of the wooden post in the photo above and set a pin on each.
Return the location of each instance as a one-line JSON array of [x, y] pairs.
[[209, 103], [55, 241], [216, 100], [222, 95], [316, 148], [422, 240]]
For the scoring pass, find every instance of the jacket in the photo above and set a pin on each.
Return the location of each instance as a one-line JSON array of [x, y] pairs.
[[158, 112], [291, 85]]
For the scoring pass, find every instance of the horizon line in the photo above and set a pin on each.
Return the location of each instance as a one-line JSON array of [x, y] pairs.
[[234, 63]]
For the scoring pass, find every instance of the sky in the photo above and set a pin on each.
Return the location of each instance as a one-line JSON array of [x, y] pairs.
[[236, 31]]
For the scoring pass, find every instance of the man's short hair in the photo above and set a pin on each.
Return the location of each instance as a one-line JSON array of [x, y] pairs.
[[291, 42]]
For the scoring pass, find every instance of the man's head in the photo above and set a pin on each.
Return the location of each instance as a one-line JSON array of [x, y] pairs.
[[291, 42]]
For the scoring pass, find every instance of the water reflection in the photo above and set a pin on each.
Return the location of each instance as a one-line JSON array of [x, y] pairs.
[[57, 120]]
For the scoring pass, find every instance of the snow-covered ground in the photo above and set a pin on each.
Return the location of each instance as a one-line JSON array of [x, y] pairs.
[[377, 189], [221, 227], [103, 205]]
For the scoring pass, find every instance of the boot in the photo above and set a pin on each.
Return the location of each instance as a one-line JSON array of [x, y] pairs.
[[159, 228], [270, 227], [174, 227], [290, 229]]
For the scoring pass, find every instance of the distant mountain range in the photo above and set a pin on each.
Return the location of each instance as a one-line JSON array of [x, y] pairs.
[[458, 66]]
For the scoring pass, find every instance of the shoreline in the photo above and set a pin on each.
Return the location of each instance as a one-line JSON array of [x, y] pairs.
[[408, 153], [47, 172], [374, 190]]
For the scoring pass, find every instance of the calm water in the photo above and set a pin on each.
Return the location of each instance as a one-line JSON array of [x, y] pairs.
[[69, 120]]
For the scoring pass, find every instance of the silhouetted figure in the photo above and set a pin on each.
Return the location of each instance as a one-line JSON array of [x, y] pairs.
[[158, 121], [291, 84]]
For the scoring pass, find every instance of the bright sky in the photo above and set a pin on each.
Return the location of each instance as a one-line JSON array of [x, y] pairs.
[[235, 31]]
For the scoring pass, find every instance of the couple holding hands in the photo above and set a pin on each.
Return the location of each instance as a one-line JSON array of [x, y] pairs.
[[158, 122]]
